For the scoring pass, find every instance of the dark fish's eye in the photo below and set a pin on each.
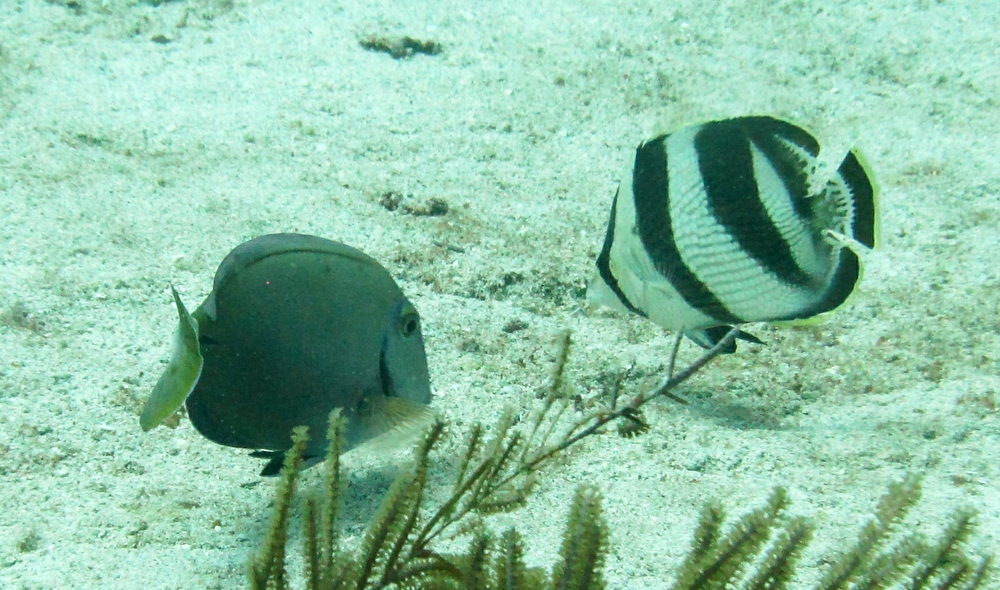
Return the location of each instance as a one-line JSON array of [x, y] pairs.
[[409, 323]]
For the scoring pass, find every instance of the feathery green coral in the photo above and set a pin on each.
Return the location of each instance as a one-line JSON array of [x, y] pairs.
[[584, 544], [715, 560], [496, 473], [267, 566], [908, 560]]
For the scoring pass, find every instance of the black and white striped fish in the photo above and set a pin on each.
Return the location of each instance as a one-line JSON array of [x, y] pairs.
[[735, 221]]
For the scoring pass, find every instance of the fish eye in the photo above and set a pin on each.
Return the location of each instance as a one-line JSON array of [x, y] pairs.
[[409, 323]]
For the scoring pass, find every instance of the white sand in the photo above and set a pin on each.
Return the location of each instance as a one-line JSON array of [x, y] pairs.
[[127, 165]]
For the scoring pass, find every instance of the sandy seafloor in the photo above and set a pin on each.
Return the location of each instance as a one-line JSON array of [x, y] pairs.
[[141, 141]]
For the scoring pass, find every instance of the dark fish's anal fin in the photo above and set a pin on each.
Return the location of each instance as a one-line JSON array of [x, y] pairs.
[[709, 337], [277, 461]]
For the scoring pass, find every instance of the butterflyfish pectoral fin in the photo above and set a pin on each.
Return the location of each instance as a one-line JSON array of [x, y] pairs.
[[182, 374]]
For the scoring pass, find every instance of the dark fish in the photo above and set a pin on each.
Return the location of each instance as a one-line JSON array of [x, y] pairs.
[[296, 326], [735, 221]]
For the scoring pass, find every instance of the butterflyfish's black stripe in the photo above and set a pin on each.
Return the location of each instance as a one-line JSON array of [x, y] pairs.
[[767, 133], [857, 179], [726, 165], [650, 188], [604, 262]]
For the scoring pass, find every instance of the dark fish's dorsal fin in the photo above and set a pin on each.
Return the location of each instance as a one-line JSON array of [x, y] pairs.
[[263, 247]]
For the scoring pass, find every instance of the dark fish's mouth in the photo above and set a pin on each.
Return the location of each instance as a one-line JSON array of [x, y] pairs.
[[383, 374]]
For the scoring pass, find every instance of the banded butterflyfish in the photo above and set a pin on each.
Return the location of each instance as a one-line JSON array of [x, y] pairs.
[[735, 221]]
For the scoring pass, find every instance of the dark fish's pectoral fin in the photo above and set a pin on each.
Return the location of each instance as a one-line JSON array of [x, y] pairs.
[[388, 422], [709, 337], [277, 461]]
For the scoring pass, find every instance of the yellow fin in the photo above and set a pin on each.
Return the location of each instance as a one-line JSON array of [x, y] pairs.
[[181, 375], [804, 322], [390, 422]]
